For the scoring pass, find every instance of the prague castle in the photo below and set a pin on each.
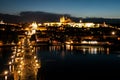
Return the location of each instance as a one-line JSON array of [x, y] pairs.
[[67, 21]]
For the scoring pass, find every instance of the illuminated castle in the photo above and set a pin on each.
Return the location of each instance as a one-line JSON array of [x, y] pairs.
[[67, 21], [62, 19]]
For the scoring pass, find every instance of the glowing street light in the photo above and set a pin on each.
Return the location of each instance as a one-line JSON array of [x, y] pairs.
[[35, 57], [36, 61], [10, 67], [113, 33], [5, 73], [37, 65], [19, 74]]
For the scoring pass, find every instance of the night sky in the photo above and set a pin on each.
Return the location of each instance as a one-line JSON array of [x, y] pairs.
[[78, 8]]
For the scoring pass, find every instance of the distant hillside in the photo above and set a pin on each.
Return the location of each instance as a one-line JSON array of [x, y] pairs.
[[30, 16], [114, 22], [41, 16], [10, 18]]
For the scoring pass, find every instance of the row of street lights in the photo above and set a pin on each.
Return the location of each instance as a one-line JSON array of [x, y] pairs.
[[17, 60]]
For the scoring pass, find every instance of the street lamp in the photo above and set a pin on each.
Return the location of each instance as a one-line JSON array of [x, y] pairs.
[[35, 57], [5, 73], [36, 61], [113, 33], [10, 66], [19, 72]]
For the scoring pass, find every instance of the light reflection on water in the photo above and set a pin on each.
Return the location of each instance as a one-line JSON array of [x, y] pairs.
[[82, 49], [5, 53], [51, 56], [67, 59], [54, 48], [92, 49], [62, 52]]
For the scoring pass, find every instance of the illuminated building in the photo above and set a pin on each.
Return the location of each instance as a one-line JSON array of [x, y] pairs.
[[32, 28], [67, 21], [62, 19], [1, 22]]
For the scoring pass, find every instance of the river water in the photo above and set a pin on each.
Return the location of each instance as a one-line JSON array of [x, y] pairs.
[[71, 62], [5, 53], [78, 62]]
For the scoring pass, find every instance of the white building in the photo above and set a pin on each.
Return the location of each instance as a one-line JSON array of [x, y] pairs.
[[64, 21]]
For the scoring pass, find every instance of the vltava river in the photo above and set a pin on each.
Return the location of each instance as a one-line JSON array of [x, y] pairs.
[[74, 62], [71, 62]]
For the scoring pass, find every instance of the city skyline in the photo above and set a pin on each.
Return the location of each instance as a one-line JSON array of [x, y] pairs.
[[77, 8]]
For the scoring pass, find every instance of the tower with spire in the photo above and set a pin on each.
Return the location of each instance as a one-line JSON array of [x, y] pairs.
[[62, 19]]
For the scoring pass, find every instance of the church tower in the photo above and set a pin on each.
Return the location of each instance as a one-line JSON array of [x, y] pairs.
[[62, 19]]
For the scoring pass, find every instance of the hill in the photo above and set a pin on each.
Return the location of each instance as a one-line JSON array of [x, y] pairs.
[[39, 16]]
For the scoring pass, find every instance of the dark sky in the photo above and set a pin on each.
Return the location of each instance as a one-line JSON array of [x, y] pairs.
[[79, 8]]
